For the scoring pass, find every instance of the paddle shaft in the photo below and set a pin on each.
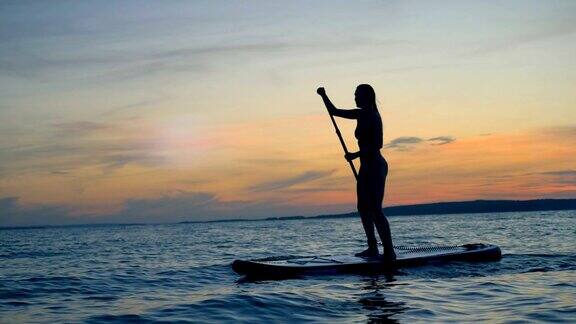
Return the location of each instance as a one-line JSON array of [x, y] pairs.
[[343, 144]]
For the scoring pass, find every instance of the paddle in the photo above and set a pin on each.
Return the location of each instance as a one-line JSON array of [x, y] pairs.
[[342, 142]]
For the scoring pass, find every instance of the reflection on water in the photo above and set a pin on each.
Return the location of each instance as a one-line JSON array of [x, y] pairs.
[[181, 272], [374, 302]]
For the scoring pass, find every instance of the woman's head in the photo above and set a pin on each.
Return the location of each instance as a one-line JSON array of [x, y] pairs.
[[365, 97]]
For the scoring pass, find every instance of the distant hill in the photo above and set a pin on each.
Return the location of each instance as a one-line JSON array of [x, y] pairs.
[[483, 206], [440, 208], [471, 207]]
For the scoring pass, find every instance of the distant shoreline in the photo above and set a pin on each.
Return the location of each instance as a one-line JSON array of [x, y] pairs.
[[439, 208], [442, 208]]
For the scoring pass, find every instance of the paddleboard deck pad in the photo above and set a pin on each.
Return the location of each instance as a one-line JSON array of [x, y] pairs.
[[405, 257]]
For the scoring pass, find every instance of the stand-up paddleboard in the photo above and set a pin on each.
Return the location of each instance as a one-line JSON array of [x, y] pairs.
[[405, 256]]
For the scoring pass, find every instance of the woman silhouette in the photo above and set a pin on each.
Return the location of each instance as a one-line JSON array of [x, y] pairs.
[[373, 167]]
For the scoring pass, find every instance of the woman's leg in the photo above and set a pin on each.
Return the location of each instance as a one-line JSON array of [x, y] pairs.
[[363, 196], [383, 228], [368, 224], [381, 222]]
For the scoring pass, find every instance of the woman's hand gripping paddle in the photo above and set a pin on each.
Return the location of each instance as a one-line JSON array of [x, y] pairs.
[[322, 93]]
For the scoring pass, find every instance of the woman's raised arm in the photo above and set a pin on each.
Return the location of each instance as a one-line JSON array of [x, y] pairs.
[[344, 113]]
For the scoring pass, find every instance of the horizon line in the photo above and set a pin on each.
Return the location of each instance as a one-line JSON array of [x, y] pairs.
[[324, 216]]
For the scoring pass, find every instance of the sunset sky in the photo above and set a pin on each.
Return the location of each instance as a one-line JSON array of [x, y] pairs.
[[164, 111]]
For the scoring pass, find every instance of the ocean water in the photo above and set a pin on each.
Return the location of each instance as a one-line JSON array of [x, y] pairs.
[[181, 272]]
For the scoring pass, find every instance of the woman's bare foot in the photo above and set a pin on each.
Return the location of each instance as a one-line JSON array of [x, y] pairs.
[[370, 252]]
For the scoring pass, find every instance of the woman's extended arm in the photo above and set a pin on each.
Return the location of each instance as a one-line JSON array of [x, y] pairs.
[[344, 113]]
